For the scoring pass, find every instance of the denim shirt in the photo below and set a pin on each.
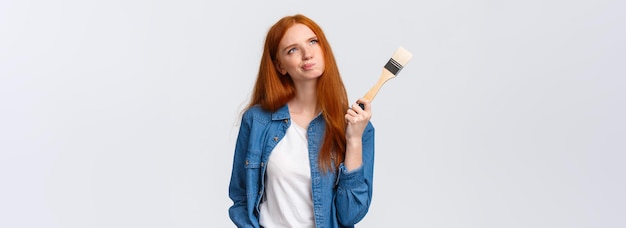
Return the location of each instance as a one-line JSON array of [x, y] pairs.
[[340, 198]]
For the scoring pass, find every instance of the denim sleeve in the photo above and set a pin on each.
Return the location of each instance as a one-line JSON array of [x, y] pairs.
[[237, 189], [354, 190]]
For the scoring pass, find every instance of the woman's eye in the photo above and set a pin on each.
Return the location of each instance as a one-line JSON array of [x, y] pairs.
[[314, 41], [291, 51]]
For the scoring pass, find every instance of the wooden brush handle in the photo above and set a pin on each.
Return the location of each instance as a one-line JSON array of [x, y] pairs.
[[384, 77]]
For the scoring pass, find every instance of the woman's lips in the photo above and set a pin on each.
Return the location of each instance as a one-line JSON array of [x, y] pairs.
[[308, 66]]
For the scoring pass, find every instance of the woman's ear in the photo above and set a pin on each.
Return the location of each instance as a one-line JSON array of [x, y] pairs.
[[280, 68]]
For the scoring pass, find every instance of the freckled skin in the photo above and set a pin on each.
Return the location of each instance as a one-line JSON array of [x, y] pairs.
[[300, 55]]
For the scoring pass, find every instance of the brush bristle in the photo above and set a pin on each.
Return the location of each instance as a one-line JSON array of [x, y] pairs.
[[402, 56], [398, 60]]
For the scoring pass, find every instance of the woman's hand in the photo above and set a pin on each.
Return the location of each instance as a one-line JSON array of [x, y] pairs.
[[357, 119]]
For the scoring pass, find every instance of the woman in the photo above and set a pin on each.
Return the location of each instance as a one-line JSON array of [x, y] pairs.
[[302, 157]]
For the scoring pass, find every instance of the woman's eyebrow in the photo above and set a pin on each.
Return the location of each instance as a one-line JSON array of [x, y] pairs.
[[295, 44]]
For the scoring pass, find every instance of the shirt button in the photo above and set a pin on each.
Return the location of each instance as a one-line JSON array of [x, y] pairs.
[[247, 162], [262, 164], [286, 121], [275, 139]]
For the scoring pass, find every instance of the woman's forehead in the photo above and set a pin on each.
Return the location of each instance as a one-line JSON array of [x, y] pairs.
[[296, 33]]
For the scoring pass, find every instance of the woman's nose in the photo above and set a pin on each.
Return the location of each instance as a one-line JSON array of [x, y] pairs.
[[307, 53]]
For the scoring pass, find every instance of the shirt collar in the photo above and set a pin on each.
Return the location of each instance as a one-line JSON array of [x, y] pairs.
[[281, 114]]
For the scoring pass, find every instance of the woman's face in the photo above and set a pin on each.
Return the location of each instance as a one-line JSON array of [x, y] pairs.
[[299, 54]]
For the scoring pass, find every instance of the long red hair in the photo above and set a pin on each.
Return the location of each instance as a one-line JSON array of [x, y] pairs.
[[272, 91]]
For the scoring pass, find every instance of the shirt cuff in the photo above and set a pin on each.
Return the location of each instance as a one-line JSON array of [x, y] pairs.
[[349, 179]]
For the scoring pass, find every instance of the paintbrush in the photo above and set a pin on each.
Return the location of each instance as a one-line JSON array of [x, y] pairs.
[[399, 59]]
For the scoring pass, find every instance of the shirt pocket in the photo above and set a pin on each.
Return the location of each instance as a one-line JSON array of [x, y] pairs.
[[253, 160], [253, 165]]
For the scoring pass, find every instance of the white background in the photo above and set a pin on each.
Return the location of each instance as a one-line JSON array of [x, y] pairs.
[[125, 113]]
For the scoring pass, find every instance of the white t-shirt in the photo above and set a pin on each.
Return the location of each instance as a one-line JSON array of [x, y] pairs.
[[288, 200]]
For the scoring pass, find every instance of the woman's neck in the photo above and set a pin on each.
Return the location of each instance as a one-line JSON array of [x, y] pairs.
[[304, 107], [305, 100]]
